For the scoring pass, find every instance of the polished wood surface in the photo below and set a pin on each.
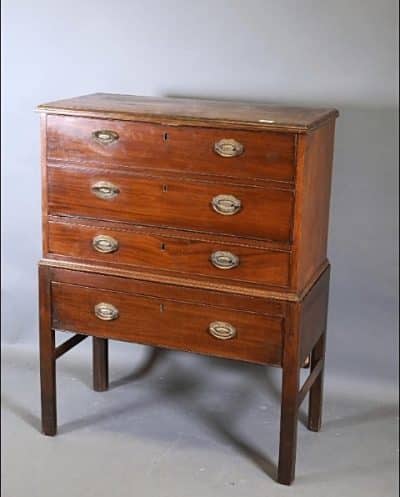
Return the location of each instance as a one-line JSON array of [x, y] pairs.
[[189, 294], [44, 180], [158, 282], [196, 112], [305, 324], [313, 187], [160, 322], [314, 317], [291, 365], [188, 150], [47, 351], [144, 249], [266, 213]]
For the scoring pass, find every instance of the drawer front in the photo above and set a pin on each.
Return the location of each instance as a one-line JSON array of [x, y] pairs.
[[166, 323], [143, 248], [264, 213], [228, 153]]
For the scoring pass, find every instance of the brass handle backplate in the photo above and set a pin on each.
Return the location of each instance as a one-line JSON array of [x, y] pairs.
[[104, 244], [106, 312], [228, 147], [105, 136], [224, 260], [222, 330], [227, 205], [105, 190]]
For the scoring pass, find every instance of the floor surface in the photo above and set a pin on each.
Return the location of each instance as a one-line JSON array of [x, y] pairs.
[[181, 425]]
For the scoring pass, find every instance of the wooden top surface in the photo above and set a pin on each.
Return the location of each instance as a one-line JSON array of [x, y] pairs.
[[193, 112]]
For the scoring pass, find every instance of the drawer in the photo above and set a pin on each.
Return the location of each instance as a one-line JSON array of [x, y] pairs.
[[167, 323], [190, 254], [262, 154], [263, 213]]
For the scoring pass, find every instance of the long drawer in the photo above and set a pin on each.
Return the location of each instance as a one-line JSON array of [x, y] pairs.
[[189, 254], [167, 323], [227, 153], [254, 212]]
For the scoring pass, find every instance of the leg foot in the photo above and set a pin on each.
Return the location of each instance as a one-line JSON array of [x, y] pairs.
[[100, 364]]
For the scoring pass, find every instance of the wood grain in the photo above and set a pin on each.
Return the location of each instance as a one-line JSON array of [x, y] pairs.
[[183, 149], [144, 249], [44, 181], [159, 322], [179, 293], [266, 213], [196, 112], [313, 187], [167, 292], [314, 314]]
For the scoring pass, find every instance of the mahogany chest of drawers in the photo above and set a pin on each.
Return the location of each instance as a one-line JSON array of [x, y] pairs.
[[188, 224]]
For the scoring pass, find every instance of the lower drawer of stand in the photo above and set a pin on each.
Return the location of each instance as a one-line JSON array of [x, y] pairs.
[[156, 321]]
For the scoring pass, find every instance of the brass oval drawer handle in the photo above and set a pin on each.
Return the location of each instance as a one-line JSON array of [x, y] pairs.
[[222, 330], [106, 312], [224, 260], [105, 190], [105, 136], [104, 244], [228, 147], [227, 205]]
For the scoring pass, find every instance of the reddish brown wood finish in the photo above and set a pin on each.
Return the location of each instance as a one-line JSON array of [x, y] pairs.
[[193, 112], [305, 321], [161, 147], [43, 167], [314, 316], [316, 391], [313, 187], [154, 321], [160, 278], [289, 398], [190, 255], [68, 345], [47, 356], [266, 213], [184, 319], [227, 300]]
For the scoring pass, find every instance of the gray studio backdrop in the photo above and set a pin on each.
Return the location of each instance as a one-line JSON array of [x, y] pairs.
[[339, 53]]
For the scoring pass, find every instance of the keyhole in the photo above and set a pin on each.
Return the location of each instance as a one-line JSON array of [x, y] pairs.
[[165, 188], [165, 137], [161, 307], [162, 246]]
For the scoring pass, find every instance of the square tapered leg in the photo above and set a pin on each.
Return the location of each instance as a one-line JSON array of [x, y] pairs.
[[289, 408], [47, 357]]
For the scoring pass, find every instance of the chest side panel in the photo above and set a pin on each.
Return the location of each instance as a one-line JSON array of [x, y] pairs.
[[313, 190]]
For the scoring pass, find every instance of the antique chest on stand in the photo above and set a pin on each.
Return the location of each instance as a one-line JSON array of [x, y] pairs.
[[188, 224]]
